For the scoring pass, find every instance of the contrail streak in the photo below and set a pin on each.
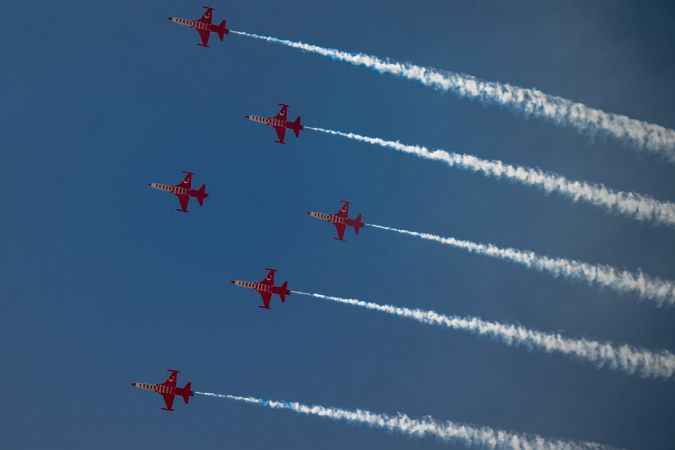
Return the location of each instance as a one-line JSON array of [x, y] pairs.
[[483, 437], [661, 291], [626, 203], [531, 102], [625, 358]]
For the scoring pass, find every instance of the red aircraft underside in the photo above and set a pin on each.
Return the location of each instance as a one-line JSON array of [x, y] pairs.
[[203, 26], [183, 191], [266, 288], [279, 123], [340, 219], [168, 390]]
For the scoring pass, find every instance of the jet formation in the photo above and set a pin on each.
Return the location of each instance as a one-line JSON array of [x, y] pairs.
[[184, 192]]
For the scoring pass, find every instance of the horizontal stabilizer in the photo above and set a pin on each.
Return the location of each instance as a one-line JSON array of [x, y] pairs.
[[358, 223], [283, 291], [201, 194], [296, 126], [222, 30], [187, 392]]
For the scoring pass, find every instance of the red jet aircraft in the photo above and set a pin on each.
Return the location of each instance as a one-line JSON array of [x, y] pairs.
[[340, 219], [183, 191], [279, 123], [168, 390], [266, 288], [204, 26]]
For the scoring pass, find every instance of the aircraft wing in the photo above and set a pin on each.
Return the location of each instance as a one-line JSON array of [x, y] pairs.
[[171, 381], [281, 134], [184, 200], [283, 112], [168, 401], [340, 228], [187, 181], [344, 210], [207, 16], [204, 36], [269, 278], [266, 297]]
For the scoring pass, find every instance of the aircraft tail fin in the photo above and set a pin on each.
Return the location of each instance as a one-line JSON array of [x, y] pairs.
[[222, 29], [296, 126], [201, 194], [283, 291], [187, 392], [358, 223]]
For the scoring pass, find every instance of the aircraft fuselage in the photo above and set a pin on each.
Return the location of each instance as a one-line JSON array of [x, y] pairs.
[[171, 188], [330, 218], [271, 121], [196, 24], [255, 285], [158, 388]]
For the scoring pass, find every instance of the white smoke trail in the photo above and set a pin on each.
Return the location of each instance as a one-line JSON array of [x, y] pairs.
[[661, 291], [483, 437], [625, 358], [531, 102], [626, 203]]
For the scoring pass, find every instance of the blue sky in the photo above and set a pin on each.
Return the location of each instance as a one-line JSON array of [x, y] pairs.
[[104, 283]]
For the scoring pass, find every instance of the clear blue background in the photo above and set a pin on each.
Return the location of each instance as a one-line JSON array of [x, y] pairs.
[[103, 283]]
